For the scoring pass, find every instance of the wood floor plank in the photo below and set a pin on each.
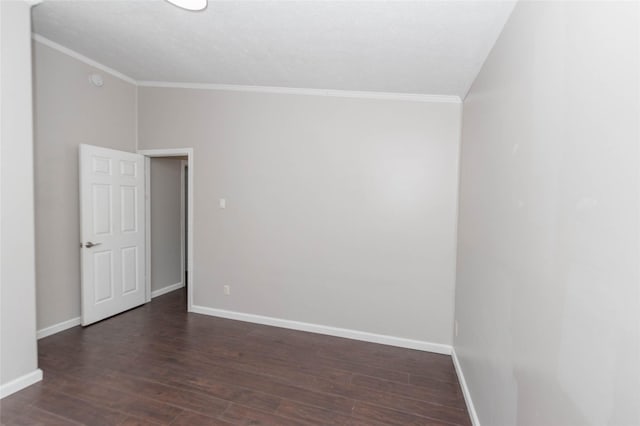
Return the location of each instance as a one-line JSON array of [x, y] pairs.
[[430, 410], [195, 419], [425, 386], [406, 363], [392, 417], [308, 413], [133, 421], [158, 364], [15, 405], [198, 402], [186, 380], [118, 399], [37, 417], [445, 396], [434, 374], [81, 383], [214, 374], [272, 387], [239, 415], [78, 410], [290, 370], [304, 360]]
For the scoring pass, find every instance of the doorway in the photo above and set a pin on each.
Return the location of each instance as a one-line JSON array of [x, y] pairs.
[[169, 221]]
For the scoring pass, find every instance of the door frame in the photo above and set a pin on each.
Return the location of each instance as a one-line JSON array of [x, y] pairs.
[[170, 152], [184, 165]]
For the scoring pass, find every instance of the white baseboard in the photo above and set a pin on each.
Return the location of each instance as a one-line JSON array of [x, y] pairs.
[[165, 290], [323, 329], [57, 328], [20, 383], [465, 389]]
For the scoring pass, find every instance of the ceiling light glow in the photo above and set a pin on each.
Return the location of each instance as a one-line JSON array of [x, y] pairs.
[[190, 4]]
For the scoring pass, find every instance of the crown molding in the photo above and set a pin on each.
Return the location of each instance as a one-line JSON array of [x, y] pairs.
[[411, 97], [414, 97], [60, 48]]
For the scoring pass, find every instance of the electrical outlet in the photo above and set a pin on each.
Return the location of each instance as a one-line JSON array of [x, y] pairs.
[[455, 328], [227, 290]]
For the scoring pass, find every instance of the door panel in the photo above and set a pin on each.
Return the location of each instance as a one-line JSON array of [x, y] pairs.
[[102, 209], [129, 269], [102, 275], [128, 208], [112, 231]]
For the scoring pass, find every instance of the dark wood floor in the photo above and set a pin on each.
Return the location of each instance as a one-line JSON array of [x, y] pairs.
[[159, 365]]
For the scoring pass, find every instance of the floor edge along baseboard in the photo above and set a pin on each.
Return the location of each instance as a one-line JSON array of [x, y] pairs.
[[465, 389], [57, 328], [20, 383], [323, 329], [167, 289]]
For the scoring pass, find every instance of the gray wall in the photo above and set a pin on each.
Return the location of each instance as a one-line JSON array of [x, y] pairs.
[[340, 212], [18, 352], [166, 256], [547, 294], [69, 111]]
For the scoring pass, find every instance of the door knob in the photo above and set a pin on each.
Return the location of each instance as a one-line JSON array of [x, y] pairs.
[[90, 244]]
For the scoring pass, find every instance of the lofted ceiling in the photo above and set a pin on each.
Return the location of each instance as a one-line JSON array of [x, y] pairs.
[[418, 47]]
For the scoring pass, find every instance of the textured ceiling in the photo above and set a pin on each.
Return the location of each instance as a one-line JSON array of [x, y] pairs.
[[422, 47]]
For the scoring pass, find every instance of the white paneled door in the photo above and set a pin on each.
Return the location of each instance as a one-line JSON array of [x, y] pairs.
[[112, 232]]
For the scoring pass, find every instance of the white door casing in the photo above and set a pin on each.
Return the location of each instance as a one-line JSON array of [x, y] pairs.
[[112, 231], [175, 152]]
